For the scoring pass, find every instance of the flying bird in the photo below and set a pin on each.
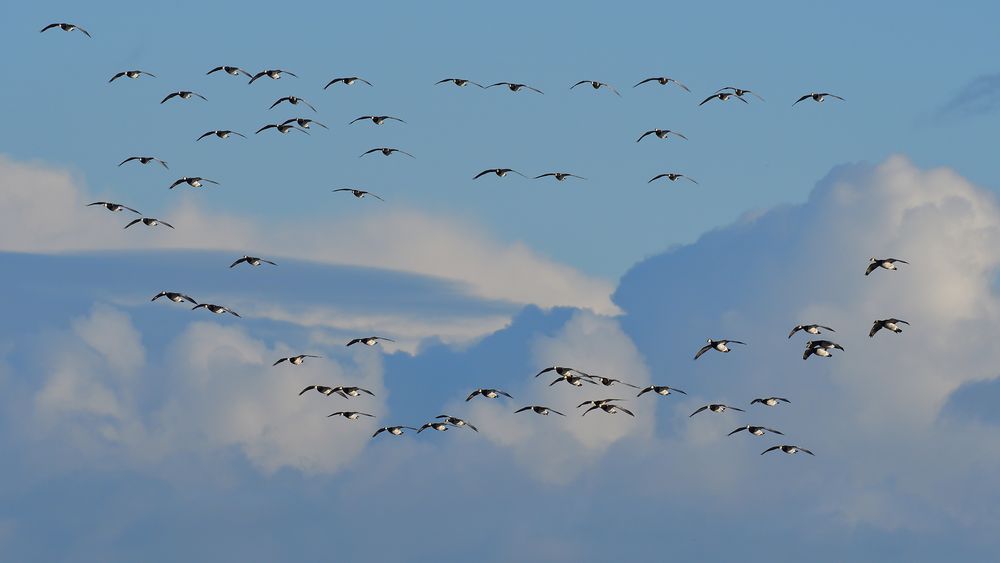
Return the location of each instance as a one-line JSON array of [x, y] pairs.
[[376, 119], [273, 74], [539, 410], [718, 345], [369, 340], [144, 160], [715, 408], [281, 128], [439, 426], [722, 97], [130, 74], [770, 401], [597, 402], [740, 92], [350, 415], [884, 263], [660, 134], [394, 430], [660, 390], [610, 409], [672, 176], [755, 430], [662, 80], [231, 70], [65, 27], [820, 348], [322, 389], [292, 100], [597, 86], [488, 393], [560, 176], [347, 80], [252, 260], [573, 380], [563, 371], [294, 360], [818, 97], [788, 449], [455, 421], [811, 329], [359, 193], [112, 206], [304, 122], [173, 296], [515, 87], [149, 222], [386, 151], [609, 381], [888, 324], [351, 391], [193, 181], [458, 82], [184, 95], [501, 172], [217, 309], [220, 133]]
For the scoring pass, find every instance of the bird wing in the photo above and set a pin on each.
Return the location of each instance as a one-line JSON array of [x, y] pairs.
[[483, 173], [797, 101], [774, 431], [88, 35], [504, 393], [116, 77], [871, 267], [679, 135], [875, 328], [546, 174], [805, 451], [540, 92], [171, 95], [703, 102], [278, 101], [698, 411], [522, 409], [278, 362], [657, 177], [578, 83], [264, 128], [769, 449], [740, 429], [309, 388], [159, 295], [133, 223], [354, 341], [473, 394], [308, 105], [644, 135], [48, 27], [704, 349], [808, 352], [641, 82], [379, 431], [626, 411], [794, 330], [734, 408], [362, 118], [244, 259], [216, 69], [556, 412], [205, 135], [898, 260]]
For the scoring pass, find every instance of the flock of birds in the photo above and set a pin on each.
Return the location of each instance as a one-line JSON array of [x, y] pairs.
[[568, 375]]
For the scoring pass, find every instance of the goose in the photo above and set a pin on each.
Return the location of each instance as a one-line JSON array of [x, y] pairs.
[[376, 119], [714, 408], [501, 172], [304, 122], [386, 151], [369, 340], [663, 81], [660, 390], [359, 193], [193, 181], [722, 97], [133, 74], [559, 176], [788, 449], [394, 430], [770, 401], [439, 426], [149, 222], [281, 128], [458, 82], [112, 206], [672, 176], [351, 391], [144, 160], [173, 296], [323, 389], [183, 94], [755, 430], [350, 415], [455, 421], [884, 263], [231, 70], [610, 409], [538, 409], [515, 87], [811, 329], [660, 134], [65, 27], [718, 345], [347, 80], [294, 100], [488, 393], [888, 324], [217, 309], [273, 74], [820, 348], [573, 380], [252, 260], [740, 92], [563, 371], [818, 97], [220, 133], [609, 381], [597, 86], [295, 360], [597, 402]]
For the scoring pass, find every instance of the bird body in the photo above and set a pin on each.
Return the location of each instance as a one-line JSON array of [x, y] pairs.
[[717, 345], [888, 324], [884, 263]]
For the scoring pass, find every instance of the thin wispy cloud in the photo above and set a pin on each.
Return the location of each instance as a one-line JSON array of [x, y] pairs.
[[980, 96]]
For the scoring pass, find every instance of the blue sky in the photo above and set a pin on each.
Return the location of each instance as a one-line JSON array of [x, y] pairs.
[[146, 431]]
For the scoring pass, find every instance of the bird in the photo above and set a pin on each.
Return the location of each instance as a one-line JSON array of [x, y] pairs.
[[740, 92], [722, 97], [183, 94], [811, 329], [304, 122], [281, 128], [376, 119], [788, 449], [439, 426], [369, 340], [539, 410], [715, 408], [149, 222], [888, 324], [220, 133], [144, 160], [351, 391], [884, 263], [323, 389], [660, 134], [65, 27], [755, 430], [718, 345], [610, 409], [294, 100], [173, 296], [386, 151], [609, 381], [820, 348], [358, 193], [501, 172], [252, 260], [488, 393], [662, 80], [350, 415], [231, 70], [217, 309], [770, 401], [273, 74], [563, 371], [574, 380], [818, 97], [294, 360], [347, 80], [455, 421], [193, 181], [112, 206], [672, 176], [130, 74], [458, 82], [597, 86], [394, 430], [560, 176], [515, 86], [597, 402], [659, 390]]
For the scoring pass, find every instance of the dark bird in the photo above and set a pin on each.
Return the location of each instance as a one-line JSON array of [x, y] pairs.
[[273, 74], [350, 415], [722, 97], [351, 391], [563, 371], [220, 133], [376, 119], [660, 390], [811, 329], [755, 430], [112, 206], [573, 380], [294, 101], [217, 309], [369, 340], [740, 92], [231, 70], [359, 193], [672, 176], [323, 389], [130, 74], [609, 381], [193, 181], [770, 401], [294, 360], [173, 296], [149, 222], [281, 128], [717, 345], [183, 94], [597, 402], [304, 122], [788, 449], [560, 176], [539, 410], [884, 263], [817, 97], [610, 409], [488, 393], [596, 86], [515, 87], [660, 134], [347, 80], [455, 421], [501, 172], [820, 348], [888, 324], [65, 27], [439, 426], [662, 81], [144, 160], [394, 430], [252, 260], [715, 408], [386, 151], [458, 82]]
